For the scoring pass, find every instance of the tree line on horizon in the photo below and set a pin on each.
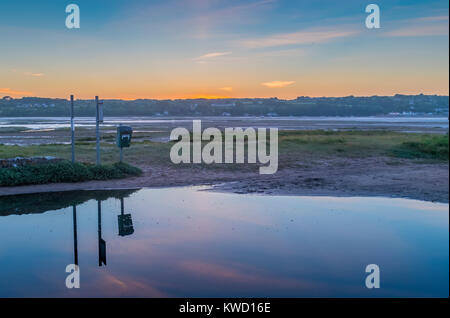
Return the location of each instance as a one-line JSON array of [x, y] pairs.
[[302, 106]]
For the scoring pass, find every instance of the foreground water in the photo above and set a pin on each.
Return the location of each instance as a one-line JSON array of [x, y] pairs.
[[185, 242]]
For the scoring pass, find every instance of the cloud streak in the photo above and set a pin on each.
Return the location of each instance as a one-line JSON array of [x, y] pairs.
[[297, 38], [424, 26], [34, 74], [434, 18], [11, 92], [277, 84], [212, 55]]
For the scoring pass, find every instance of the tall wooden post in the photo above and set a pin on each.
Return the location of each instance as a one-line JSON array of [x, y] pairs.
[[121, 149], [97, 129], [72, 127]]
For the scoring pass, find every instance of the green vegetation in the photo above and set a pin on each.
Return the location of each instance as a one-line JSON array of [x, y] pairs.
[[64, 171], [358, 143], [294, 144], [428, 147], [296, 148], [144, 152], [354, 143], [12, 129], [303, 106]]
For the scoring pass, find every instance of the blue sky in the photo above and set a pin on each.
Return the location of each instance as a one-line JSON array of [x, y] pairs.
[[215, 48]]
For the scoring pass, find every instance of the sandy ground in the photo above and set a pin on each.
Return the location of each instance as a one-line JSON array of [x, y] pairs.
[[375, 176]]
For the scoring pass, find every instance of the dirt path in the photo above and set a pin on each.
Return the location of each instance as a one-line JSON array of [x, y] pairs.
[[376, 176]]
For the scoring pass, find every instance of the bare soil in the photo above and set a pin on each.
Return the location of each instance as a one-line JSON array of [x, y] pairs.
[[373, 176]]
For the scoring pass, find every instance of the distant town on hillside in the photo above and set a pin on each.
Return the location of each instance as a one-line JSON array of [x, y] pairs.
[[397, 105]]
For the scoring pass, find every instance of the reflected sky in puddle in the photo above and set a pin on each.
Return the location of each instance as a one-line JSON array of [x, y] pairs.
[[189, 243]]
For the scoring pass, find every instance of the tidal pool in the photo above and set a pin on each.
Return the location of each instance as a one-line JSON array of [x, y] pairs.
[[186, 242]]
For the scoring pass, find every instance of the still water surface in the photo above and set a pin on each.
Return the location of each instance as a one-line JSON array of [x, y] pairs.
[[396, 123], [185, 242]]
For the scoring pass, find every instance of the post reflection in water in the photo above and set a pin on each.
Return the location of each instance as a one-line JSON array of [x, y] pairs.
[[75, 238], [125, 224], [101, 242], [125, 221], [204, 244]]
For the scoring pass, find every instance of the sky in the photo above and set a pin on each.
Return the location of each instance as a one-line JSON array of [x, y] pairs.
[[170, 49]]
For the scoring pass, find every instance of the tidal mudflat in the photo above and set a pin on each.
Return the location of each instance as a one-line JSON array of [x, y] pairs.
[[340, 157]]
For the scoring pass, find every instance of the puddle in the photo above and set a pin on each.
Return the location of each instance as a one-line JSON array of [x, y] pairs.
[[181, 242]]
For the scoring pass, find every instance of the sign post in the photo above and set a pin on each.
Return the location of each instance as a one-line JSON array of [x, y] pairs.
[[123, 139], [72, 128]]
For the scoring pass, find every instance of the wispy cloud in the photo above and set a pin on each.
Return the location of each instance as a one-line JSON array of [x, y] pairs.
[[277, 84], [282, 53], [424, 26], [212, 15], [11, 92], [301, 37], [27, 73], [434, 18], [227, 89], [34, 74], [430, 30], [212, 55]]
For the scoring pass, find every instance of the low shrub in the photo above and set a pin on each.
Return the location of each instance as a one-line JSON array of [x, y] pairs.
[[430, 147], [127, 169], [64, 171]]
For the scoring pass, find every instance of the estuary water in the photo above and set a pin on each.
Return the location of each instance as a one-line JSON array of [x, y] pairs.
[[406, 124], [25, 131], [187, 242]]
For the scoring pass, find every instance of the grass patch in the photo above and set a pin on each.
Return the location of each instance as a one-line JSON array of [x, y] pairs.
[[294, 147], [12, 129], [64, 171], [83, 139], [428, 147]]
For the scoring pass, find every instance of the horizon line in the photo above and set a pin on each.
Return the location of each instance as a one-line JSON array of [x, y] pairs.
[[222, 97]]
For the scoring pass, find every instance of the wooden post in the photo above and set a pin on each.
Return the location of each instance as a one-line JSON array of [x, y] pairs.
[[97, 130], [72, 128], [121, 148]]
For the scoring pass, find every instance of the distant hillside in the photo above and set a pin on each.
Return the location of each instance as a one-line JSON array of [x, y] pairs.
[[301, 106]]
